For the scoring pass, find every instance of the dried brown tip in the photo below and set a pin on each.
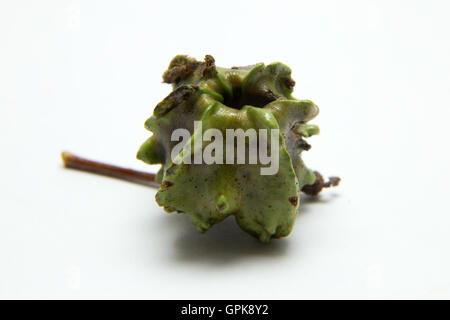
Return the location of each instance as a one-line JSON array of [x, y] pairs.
[[182, 67], [319, 184]]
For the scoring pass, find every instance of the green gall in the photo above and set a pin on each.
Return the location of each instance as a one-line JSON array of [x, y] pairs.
[[253, 97]]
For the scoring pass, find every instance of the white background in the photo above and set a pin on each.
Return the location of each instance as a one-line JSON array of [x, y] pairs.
[[83, 76]]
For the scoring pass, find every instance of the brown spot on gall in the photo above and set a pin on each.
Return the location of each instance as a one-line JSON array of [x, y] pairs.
[[293, 201]]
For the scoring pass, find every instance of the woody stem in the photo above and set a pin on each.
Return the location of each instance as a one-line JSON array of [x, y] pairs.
[[75, 162]]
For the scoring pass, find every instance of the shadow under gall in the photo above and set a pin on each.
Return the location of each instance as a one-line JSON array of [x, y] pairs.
[[225, 243]]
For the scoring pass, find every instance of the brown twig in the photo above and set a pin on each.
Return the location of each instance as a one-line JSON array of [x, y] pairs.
[[75, 162], [148, 179]]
